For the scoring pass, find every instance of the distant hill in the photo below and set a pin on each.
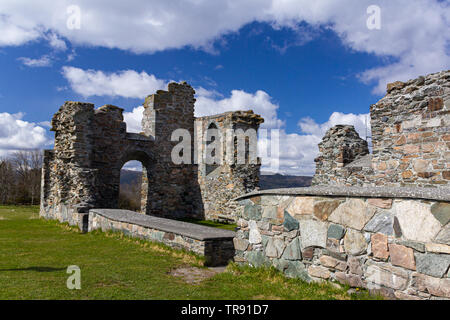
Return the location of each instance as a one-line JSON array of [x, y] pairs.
[[130, 176], [275, 181]]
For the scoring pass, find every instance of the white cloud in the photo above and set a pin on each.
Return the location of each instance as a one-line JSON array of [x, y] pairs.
[[297, 151], [56, 42], [133, 119], [127, 83], [130, 84], [260, 102], [414, 33], [17, 134], [360, 121], [44, 61]]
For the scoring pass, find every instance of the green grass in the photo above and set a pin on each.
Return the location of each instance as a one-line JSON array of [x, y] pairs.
[[214, 224], [35, 254]]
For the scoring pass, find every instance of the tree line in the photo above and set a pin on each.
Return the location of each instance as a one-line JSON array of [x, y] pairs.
[[20, 181], [20, 177]]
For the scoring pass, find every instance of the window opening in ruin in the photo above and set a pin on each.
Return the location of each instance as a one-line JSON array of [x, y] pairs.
[[212, 141], [130, 186]]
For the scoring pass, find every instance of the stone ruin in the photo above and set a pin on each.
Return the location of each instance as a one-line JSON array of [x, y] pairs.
[[91, 146], [410, 137], [379, 220]]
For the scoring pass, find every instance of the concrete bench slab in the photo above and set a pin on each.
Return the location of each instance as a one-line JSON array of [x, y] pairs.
[[213, 243]]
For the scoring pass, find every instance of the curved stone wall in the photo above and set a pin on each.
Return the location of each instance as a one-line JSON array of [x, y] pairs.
[[392, 241]]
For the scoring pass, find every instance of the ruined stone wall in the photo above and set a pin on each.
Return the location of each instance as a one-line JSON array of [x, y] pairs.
[[91, 147], [392, 241], [172, 188], [410, 137], [340, 146], [222, 182], [67, 180], [411, 132]]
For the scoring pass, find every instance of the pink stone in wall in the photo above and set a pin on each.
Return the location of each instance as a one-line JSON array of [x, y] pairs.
[[402, 256], [381, 203], [379, 246]]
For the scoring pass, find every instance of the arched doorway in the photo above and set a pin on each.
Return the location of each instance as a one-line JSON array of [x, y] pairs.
[[135, 168], [130, 197]]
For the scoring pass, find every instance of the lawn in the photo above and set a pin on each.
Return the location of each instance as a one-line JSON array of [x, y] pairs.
[[35, 254]]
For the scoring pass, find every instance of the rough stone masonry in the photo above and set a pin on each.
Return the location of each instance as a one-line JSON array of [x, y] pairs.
[[410, 137], [380, 221], [393, 241], [91, 146]]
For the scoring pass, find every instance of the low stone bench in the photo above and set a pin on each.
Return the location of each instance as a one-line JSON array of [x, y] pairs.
[[216, 245]]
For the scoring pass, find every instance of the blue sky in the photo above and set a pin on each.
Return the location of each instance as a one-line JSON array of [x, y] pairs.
[[303, 66]]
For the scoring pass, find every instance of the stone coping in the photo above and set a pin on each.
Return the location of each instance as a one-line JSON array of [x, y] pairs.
[[438, 194], [187, 229], [138, 136]]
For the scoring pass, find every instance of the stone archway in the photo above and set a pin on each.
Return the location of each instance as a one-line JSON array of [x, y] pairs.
[[147, 161]]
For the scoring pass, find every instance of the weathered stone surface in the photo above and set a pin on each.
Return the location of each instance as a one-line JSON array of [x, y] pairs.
[[354, 242], [437, 248], [402, 256], [296, 269], [319, 272], [289, 222], [418, 246], [434, 286], [252, 212], [444, 235], [386, 275], [328, 261], [352, 280], [293, 251], [382, 222], [313, 233], [431, 264], [397, 229], [404, 296], [275, 247], [380, 203], [379, 246], [354, 264], [335, 231], [441, 212], [255, 258], [280, 264], [416, 221], [308, 253], [254, 234], [270, 213], [341, 266], [397, 85], [333, 245], [354, 213], [323, 209], [271, 200], [301, 206], [408, 126], [240, 244]]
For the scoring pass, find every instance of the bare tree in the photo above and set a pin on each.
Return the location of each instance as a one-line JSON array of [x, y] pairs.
[[7, 183], [27, 165]]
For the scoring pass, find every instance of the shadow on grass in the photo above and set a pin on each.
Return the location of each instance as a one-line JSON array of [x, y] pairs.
[[37, 269]]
